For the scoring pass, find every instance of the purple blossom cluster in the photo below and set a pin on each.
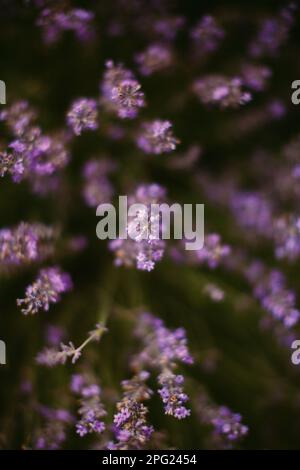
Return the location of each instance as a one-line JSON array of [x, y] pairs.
[[164, 349], [130, 423], [52, 435], [121, 92], [270, 289], [31, 155], [286, 233], [143, 248], [83, 115], [207, 34], [213, 251], [155, 58], [227, 426], [156, 137], [26, 243], [91, 410], [97, 188], [46, 290], [225, 92], [55, 20]]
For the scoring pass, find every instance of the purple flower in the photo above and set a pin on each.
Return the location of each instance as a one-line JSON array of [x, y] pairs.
[[256, 76], [164, 349], [26, 243], [83, 115], [131, 428], [47, 289], [223, 91], [12, 163], [213, 251], [128, 98], [18, 117], [207, 34], [157, 137], [227, 426], [155, 58], [97, 187], [286, 233], [91, 410], [142, 248]]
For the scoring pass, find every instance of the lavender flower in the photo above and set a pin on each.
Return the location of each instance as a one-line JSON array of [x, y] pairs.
[[163, 350], [220, 90], [97, 187], [53, 434], [273, 33], [286, 233], [54, 21], [252, 211], [130, 425], [83, 115], [227, 426], [91, 409], [270, 289], [155, 58], [51, 357], [12, 163], [128, 98], [142, 249], [213, 251], [26, 243], [207, 34], [47, 289], [157, 137], [255, 76], [18, 117]]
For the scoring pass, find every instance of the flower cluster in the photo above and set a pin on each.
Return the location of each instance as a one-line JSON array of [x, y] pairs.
[[53, 434], [222, 91], [83, 115], [121, 92], [286, 233], [91, 409], [270, 289], [213, 251], [163, 349], [227, 426], [97, 188], [207, 34], [46, 289], [143, 248], [26, 243], [130, 424], [155, 58], [55, 20], [156, 137]]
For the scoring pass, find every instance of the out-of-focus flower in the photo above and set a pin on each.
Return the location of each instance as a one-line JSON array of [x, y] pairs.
[[91, 409], [255, 76], [286, 233], [143, 247], [207, 34], [155, 58], [47, 289], [97, 188], [273, 33], [163, 349], [26, 243], [83, 115], [53, 434], [54, 21], [270, 289], [213, 251], [214, 292], [157, 137], [223, 91], [228, 428]]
